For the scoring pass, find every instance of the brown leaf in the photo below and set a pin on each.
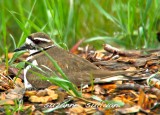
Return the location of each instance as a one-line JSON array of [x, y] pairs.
[[38, 113], [53, 87], [86, 95], [16, 93], [99, 90], [61, 96], [2, 68], [30, 93], [10, 55], [125, 99], [131, 69], [127, 110], [88, 89], [75, 47], [3, 96], [5, 82], [29, 107], [41, 93], [77, 110], [18, 82], [90, 110], [52, 94], [7, 102], [37, 99], [144, 101], [109, 86], [41, 98]]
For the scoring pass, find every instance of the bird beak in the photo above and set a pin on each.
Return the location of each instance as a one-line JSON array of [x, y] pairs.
[[24, 47]]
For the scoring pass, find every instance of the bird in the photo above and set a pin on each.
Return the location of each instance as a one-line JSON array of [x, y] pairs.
[[77, 69]]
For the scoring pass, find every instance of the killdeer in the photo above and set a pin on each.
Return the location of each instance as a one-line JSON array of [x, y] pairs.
[[77, 69]]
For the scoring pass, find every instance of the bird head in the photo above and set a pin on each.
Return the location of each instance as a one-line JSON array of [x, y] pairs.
[[36, 42]]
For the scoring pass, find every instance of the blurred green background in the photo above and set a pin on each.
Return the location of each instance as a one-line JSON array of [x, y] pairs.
[[132, 24]]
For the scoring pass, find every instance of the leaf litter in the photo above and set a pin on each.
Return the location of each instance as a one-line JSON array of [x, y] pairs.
[[137, 93]]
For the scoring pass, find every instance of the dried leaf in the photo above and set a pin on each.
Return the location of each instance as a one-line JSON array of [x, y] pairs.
[[38, 113], [16, 93], [44, 99], [109, 86], [99, 90], [7, 102], [41, 93], [127, 110], [18, 82], [77, 110], [30, 93], [3, 96], [53, 87], [37, 99], [52, 94]]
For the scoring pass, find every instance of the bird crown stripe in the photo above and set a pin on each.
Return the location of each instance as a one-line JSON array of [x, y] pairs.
[[42, 39]]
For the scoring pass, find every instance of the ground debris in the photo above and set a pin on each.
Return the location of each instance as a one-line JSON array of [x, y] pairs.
[[137, 92]]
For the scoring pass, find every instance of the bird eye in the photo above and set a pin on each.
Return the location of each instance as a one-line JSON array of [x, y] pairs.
[[37, 41]]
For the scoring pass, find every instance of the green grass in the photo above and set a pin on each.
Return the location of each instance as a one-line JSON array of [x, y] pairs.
[[136, 21], [15, 109], [132, 24]]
